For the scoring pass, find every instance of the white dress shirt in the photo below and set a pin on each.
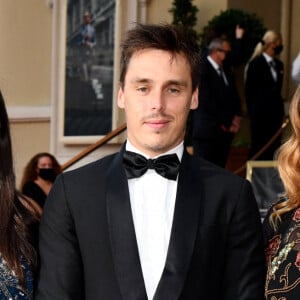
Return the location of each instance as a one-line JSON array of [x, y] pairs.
[[271, 63], [218, 69], [152, 199]]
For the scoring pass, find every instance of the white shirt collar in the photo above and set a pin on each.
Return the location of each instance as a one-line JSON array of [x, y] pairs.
[[213, 63], [178, 150], [267, 57]]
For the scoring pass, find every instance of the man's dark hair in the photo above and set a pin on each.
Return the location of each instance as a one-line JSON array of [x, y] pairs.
[[165, 37]]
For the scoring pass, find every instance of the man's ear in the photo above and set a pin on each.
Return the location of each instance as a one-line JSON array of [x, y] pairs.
[[195, 100], [121, 97]]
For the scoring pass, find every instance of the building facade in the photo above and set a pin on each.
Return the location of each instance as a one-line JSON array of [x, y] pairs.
[[33, 59]]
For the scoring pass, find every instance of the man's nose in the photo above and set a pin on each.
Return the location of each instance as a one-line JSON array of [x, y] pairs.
[[157, 101]]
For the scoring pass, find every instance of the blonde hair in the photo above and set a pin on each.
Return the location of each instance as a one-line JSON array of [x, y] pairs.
[[288, 157], [269, 37]]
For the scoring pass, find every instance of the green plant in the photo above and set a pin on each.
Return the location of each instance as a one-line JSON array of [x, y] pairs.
[[225, 24], [185, 14]]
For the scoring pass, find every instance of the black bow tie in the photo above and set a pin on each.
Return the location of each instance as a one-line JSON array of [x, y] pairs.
[[136, 165]]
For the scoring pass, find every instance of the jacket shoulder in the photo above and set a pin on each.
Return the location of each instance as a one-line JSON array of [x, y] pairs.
[[258, 60], [91, 167]]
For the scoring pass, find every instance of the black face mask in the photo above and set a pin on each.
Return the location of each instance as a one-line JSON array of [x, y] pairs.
[[278, 49], [47, 174]]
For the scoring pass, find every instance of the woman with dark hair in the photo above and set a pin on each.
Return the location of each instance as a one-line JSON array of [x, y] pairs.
[[19, 219], [38, 177]]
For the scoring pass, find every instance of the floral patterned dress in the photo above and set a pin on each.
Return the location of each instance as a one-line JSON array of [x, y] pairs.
[[9, 285], [283, 258]]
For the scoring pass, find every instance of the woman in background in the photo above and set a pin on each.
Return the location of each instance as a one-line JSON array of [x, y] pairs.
[[38, 177], [282, 223], [19, 219]]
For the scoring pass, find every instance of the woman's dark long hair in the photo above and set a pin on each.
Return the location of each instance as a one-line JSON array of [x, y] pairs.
[[17, 217]]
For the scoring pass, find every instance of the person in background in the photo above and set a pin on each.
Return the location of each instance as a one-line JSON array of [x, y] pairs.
[[235, 57], [19, 219], [87, 31], [151, 221], [282, 223], [38, 177], [263, 84], [217, 118], [87, 43]]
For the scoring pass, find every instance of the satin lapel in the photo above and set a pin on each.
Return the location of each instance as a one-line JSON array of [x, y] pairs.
[[122, 235], [183, 234]]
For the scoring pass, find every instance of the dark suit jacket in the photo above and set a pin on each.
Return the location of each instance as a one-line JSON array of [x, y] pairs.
[[218, 103], [89, 251], [263, 93]]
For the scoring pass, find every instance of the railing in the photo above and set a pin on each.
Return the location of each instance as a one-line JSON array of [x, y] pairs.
[[94, 146], [266, 146]]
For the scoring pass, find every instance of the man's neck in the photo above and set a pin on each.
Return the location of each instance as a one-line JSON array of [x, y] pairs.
[[177, 150]]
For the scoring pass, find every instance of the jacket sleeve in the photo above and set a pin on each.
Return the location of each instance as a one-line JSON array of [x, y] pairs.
[[250, 85], [245, 263], [60, 275]]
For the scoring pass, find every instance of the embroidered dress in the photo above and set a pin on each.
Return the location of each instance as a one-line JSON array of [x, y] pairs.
[[9, 285], [283, 258]]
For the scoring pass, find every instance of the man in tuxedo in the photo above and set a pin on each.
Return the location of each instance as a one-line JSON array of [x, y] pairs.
[[152, 222], [217, 118], [263, 86]]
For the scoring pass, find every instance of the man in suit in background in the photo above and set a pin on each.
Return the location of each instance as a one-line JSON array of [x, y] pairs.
[[152, 222], [217, 118], [263, 86]]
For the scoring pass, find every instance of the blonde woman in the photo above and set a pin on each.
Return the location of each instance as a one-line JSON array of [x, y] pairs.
[[282, 224], [263, 84]]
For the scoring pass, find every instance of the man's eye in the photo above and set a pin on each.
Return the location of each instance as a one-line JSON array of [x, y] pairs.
[[174, 90], [142, 89]]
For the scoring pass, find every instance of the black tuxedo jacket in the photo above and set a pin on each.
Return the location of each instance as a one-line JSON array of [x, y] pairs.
[[88, 247], [263, 93], [218, 102]]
